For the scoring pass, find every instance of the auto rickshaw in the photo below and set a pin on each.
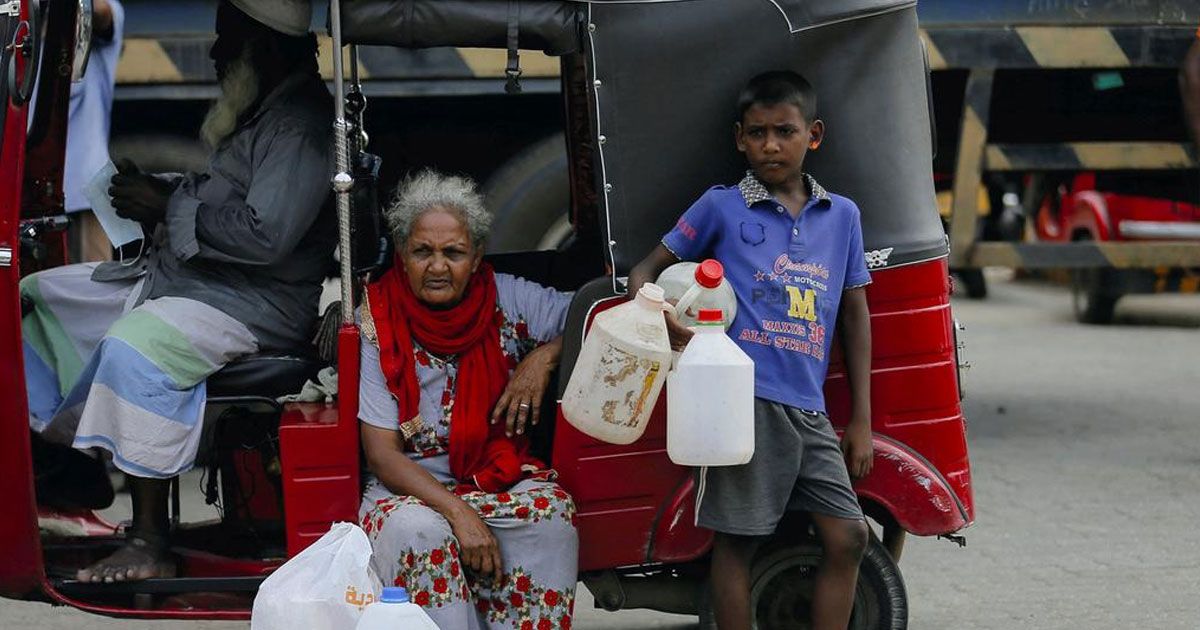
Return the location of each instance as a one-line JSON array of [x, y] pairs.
[[647, 90]]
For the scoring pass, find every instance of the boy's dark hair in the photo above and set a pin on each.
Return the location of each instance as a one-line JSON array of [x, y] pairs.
[[779, 87]]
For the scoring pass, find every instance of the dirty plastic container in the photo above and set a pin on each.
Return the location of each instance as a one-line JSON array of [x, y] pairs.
[[710, 399], [393, 611], [620, 370], [695, 286]]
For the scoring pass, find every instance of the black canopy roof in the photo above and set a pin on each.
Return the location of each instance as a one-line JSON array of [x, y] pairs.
[[666, 74], [545, 24], [804, 14]]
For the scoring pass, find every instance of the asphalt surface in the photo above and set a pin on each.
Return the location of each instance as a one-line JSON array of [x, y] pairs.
[[1085, 445]]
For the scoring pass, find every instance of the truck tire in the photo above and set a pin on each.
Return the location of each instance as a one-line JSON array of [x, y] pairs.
[[782, 583], [530, 197], [1092, 300], [1088, 301], [974, 282], [161, 153]]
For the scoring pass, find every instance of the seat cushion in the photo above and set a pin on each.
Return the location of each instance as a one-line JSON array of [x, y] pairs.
[[269, 375]]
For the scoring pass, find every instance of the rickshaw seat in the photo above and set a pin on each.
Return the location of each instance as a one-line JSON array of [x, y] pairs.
[[265, 375]]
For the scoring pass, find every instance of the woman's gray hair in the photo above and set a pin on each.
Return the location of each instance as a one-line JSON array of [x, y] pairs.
[[429, 189]]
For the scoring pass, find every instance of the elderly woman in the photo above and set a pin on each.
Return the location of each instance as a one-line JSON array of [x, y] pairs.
[[455, 359]]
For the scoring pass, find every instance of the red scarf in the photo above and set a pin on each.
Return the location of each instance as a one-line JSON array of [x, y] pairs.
[[480, 453]]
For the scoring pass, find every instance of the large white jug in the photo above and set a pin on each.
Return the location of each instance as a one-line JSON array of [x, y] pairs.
[[393, 611], [620, 370], [710, 399], [693, 286]]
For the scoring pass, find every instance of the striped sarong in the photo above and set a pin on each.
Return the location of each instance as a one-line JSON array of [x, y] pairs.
[[102, 371]]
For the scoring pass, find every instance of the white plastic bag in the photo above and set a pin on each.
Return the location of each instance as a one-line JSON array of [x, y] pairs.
[[120, 231], [325, 587]]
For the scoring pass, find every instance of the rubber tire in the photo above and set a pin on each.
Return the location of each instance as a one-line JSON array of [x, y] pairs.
[[161, 153], [1090, 303], [880, 600], [529, 196], [974, 282]]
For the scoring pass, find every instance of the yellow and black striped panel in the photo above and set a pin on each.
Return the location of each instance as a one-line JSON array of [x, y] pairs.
[[1057, 46], [968, 168], [1122, 255], [185, 60], [1090, 156], [1176, 280]]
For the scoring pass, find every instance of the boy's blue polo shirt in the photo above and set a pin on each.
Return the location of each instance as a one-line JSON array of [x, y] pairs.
[[788, 275]]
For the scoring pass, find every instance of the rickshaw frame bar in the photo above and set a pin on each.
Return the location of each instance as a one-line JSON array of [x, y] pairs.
[[342, 181]]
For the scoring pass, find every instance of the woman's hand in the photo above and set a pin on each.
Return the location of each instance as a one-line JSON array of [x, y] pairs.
[[520, 404], [403, 476], [479, 549]]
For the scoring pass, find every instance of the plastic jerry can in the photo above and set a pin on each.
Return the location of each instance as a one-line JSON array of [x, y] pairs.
[[710, 399], [621, 370], [393, 611], [694, 286]]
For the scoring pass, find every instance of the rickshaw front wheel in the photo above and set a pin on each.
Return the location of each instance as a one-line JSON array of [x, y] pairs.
[[782, 586]]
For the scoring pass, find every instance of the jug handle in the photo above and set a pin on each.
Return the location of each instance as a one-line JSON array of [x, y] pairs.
[[685, 301]]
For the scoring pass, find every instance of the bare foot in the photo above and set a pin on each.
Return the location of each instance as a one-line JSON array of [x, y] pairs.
[[137, 560]]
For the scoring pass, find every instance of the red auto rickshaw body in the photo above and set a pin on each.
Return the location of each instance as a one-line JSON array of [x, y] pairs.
[[20, 548], [921, 476], [635, 507]]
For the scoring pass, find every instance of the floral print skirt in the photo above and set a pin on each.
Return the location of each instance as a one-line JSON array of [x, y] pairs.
[[534, 525]]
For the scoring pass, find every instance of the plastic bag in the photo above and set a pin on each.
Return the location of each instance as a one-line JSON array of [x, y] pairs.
[[325, 587], [119, 230]]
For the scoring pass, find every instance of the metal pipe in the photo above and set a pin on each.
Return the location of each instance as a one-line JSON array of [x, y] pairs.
[[342, 181]]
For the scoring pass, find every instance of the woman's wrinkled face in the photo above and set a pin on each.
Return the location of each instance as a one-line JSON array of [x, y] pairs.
[[440, 257]]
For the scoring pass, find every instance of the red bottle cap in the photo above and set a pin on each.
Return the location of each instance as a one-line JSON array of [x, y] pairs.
[[710, 316], [709, 274]]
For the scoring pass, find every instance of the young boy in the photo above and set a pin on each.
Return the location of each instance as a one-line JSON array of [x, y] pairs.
[[793, 253]]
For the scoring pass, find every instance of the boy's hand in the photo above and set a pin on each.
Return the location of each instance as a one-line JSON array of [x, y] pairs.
[[857, 447], [679, 334]]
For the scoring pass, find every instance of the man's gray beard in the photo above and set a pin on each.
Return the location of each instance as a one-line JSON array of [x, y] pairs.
[[239, 90]]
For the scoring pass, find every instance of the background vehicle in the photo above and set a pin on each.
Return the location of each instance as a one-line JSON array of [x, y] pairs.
[[1119, 206], [1027, 93], [647, 88]]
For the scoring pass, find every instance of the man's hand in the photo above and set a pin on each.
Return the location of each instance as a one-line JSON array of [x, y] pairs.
[[102, 19], [138, 196], [857, 448]]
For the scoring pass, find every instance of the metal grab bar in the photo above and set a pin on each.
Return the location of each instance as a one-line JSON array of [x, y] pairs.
[[342, 181]]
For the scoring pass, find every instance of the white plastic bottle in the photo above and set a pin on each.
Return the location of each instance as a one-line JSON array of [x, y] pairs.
[[694, 286], [393, 611], [710, 399], [621, 370]]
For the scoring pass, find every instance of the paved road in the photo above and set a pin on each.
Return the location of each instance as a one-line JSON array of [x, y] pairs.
[[1087, 475], [1086, 450]]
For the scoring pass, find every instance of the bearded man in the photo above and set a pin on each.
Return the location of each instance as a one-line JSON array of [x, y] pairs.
[[117, 354]]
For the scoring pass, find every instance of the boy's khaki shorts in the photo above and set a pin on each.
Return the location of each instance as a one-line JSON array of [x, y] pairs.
[[797, 466]]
